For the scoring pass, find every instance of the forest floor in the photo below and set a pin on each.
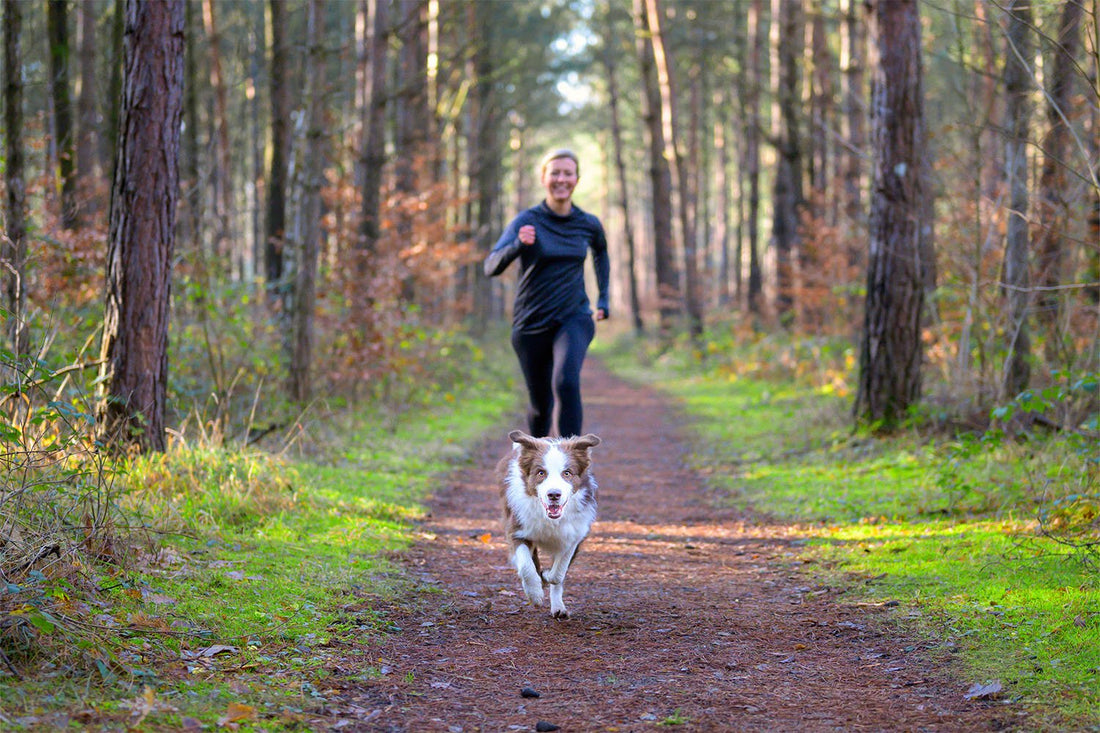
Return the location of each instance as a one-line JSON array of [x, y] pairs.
[[682, 615]]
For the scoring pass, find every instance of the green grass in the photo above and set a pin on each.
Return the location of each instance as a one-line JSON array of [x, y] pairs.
[[252, 569], [980, 540]]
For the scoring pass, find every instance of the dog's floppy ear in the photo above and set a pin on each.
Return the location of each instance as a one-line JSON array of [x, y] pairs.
[[527, 441], [587, 441]]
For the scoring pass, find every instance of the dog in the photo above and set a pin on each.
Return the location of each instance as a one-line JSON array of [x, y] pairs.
[[548, 495]]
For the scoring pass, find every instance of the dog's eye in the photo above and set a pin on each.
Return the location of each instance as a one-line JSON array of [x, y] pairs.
[[567, 473], [541, 473]]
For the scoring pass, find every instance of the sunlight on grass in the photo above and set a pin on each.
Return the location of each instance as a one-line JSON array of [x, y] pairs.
[[950, 529]]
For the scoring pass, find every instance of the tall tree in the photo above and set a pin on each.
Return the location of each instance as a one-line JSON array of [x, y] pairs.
[[58, 29], [854, 39], [275, 216], [608, 57], [372, 148], [483, 150], [750, 112], [787, 196], [13, 241], [1053, 213], [309, 217], [222, 173], [660, 178], [890, 348], [87, 156], [1017, 281], [679, 175], [134, 375]]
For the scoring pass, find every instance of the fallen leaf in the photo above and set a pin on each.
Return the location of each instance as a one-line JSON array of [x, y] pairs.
[[236, 712], [486, 538], [978, 690]]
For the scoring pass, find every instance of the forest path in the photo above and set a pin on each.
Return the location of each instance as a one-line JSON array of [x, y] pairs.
[[681, 613]]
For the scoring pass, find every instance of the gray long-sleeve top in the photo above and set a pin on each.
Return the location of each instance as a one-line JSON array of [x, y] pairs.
[[551, 276]]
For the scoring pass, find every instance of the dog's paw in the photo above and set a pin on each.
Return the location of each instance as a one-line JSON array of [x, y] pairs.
[[533, 591], [561, 614]]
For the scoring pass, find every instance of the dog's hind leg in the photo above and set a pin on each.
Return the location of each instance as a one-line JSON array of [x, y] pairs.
[[526, 566]]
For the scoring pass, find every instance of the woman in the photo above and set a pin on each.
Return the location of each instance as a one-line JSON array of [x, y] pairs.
[[552, 320]]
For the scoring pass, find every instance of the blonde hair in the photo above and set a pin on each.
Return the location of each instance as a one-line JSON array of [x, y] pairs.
[[558, 154]]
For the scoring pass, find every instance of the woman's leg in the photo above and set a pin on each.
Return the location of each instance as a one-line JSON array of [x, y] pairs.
[[535, 352], [570, 346]]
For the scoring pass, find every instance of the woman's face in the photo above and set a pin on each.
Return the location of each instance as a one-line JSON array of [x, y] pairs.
[[559, 178]]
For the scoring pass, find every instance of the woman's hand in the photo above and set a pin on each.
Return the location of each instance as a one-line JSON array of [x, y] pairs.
[[601, 314], [527, 234]]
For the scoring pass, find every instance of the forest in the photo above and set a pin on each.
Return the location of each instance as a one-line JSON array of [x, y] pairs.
[[236, 233]]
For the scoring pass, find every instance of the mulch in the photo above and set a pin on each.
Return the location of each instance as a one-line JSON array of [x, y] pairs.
[[684, 617]]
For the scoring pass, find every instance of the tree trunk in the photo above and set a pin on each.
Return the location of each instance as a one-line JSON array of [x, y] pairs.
[[190, 214], [668, 288], [723, 203], [890, 350], [1017, 281], [87, 157], [109, 145], [1053, 213], [410, 127], [620, 170], [484, 157], [275, 206], [222, 176], [787, 197], [305, 280], [58, 28], [678, 173], [751, 115], [372, 154], [13, 245], [855, 111], [134, 375]]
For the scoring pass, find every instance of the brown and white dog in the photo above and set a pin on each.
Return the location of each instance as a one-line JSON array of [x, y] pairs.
[[549, 498]]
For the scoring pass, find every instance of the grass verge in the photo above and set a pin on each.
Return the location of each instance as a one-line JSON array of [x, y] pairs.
[[985, 545], [244, 571]]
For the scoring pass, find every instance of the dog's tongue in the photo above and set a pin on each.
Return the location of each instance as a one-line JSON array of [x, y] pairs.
[[553, 511]]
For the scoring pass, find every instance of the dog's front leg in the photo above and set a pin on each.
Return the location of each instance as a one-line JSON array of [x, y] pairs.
[[528, 573], [555, 578]]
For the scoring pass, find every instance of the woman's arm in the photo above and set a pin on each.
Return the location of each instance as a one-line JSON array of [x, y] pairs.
[[506, 249]]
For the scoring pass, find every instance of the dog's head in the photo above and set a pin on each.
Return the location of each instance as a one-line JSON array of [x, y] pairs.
[[553, 469]]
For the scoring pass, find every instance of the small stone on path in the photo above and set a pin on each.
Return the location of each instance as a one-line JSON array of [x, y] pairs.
[[530, 692], [542, 726]]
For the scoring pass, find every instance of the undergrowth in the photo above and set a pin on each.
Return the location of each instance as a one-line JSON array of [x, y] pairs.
[[986, 540], [131, 586]]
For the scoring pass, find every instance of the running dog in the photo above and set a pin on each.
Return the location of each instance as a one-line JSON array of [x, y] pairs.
[[549, 500]]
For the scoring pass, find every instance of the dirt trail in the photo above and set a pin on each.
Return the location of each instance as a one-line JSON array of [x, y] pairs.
[[680, 613]]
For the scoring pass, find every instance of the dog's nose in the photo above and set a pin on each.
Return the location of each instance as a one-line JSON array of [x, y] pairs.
[[554, 496]]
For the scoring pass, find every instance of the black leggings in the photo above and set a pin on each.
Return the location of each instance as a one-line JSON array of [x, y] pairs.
[[551, 362]]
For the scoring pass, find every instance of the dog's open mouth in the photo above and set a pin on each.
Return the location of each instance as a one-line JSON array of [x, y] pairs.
[[554, 510]]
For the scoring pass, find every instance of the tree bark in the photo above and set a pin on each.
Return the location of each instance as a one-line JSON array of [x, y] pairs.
[[679, 175], [751, 114], [787, 197], [58, 29], [87, 157], [222, 175], [373, 146], [1017, 281], [890, 349], [275, 206], [13, 243], [608, 57], [305, 280], [1053, 213], [668, 288], [134, 375]]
